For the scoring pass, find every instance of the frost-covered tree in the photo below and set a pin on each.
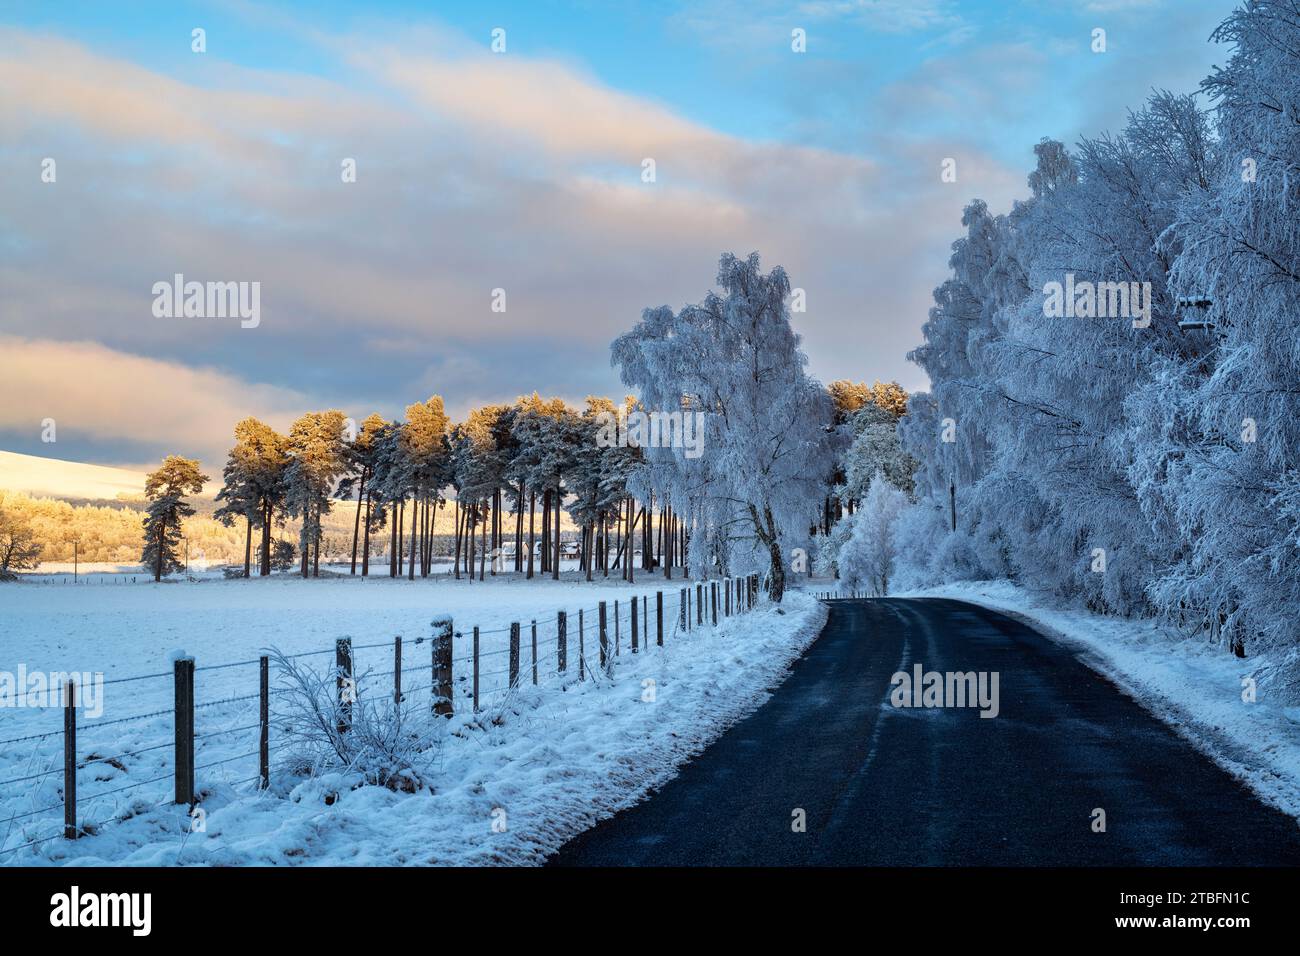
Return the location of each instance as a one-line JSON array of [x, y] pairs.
[[1135, 459], [253, 485], [524, 469], [875, 448], [548, 446], [867, 560], [316, 460], [360, 454], [426, 451], [19, 550], [166, 490], [767, 452], [481, 456], [1230, 462]]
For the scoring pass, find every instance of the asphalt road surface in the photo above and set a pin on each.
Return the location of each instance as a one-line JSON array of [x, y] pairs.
[[880, 785]]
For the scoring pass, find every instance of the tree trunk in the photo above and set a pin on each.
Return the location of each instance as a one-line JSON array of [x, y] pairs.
[[648, 536], [532, 537], [483, 548], [365, 547], [545, 556], [455, 564], [587, 549], [471, 517], [415, 524], [618, 538], [392, 539], [765, 529], [315, 565], [519, 529], [356, 523], [267, 513], [162, 538], [628, 539], [555, 564], [248, 546], [496, 530], [401, 539]]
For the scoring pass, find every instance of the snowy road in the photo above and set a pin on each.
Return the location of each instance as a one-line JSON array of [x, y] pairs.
[[888, 786]]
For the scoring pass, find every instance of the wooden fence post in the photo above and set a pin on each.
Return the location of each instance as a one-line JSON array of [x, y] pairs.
[[681, 608], [634, 627], [659, 618], [442, 655], [397, 669], [514, 655], [582, 648], [183, 675], [70, 761], [264, 717], [606, 661], [534, 653], [617, 640], [476, 669], [699, 604], [726, 597], [713, 591], [562, 641]]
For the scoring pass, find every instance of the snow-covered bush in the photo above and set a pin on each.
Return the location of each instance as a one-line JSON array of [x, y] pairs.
[[868, 558], [382, 741]]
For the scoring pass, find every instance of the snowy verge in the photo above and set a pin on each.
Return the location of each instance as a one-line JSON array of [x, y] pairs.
[[509, 786], [1191, 685]]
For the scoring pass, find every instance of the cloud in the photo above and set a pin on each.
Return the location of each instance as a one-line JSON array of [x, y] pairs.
[[93, 391], [475, 172]]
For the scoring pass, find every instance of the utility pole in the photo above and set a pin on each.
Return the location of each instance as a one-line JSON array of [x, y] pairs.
[[74, 560], [952, 501]]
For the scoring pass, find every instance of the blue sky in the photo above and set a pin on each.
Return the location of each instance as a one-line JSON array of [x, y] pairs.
[[518, 170]]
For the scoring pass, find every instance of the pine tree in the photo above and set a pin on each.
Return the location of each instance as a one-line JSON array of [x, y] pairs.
[[317, 459], [360, 454], [253, 485], [166, 489]]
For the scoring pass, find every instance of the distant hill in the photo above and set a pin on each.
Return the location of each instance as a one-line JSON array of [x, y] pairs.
[[49, 477]]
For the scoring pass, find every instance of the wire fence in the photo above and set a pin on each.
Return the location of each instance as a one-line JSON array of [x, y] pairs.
[[465, 671]]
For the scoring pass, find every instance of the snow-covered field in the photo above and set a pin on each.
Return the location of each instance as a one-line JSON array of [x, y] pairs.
[[1193, 686], [547, 761]]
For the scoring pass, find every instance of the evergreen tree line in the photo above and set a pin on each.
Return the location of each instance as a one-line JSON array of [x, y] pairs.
[[495, 484]]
